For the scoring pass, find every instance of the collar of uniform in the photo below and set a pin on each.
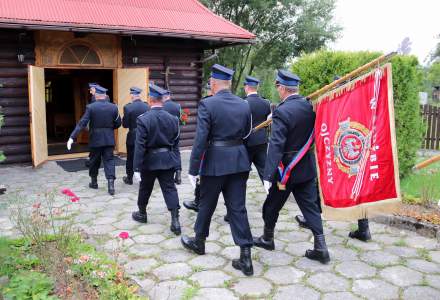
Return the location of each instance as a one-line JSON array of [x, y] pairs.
[[137, 100], [252, 94], [292, 97], [157, 107], [224, 91]]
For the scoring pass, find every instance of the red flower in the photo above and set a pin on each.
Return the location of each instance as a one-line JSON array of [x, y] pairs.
[[124, 235], [68, 192], [74, 199], [186, 110], [36, 205]]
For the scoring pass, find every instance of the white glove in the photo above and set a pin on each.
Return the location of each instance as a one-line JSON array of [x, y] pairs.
[[137, 176], [269, 117], [267, 185], [193, 180], [69, 144]]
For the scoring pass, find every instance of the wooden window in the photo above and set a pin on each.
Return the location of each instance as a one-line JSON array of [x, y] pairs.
[[79, 54]]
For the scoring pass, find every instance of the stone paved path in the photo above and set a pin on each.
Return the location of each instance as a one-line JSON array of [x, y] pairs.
[[397, 264]]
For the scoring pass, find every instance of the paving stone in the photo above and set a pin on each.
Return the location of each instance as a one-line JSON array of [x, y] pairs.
[[99, 229], [339, 296], [213, 247], [366, 246], [433, 280], [215, 294], [170, 271], [275, 258], [421, 292], [210, 278], [435, 256], [293, 236], [126, 224], [401, 276], [379, 258], [284, 275], [421, 242], [342, 253], [145, 284], [296, 292], [298, 249], [312, 266], [140, 265], [375, 289], [172, 243], [355, 270], [232, 252], [169, 290], [328, 282], [172, 256], [402, 251], [252, 287], [423, 266], [149, 239], [386, 238], [143, 250], [208, 261]]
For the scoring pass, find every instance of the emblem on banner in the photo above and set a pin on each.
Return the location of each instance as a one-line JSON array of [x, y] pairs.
[[349, 143]]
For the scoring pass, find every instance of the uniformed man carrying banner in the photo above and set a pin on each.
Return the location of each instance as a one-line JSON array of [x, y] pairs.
[[220, 158], [290, 166], [131, 112], [102, 118], [157, 135]]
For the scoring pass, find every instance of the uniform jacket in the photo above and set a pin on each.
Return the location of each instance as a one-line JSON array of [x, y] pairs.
[[156, 129], [222, 117], [103, 118], [293, 122], [172, 107], [131, 112], [260, 109]]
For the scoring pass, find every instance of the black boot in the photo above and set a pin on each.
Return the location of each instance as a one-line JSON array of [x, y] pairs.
[[266, 240], [93, 183], [302, 222], [127, 180], [175, 224], [194, 205], [139, 217], [244, 263], [363, 232], [320, 251], [226, 218], [111, 186], [196, 244], [178, 177]]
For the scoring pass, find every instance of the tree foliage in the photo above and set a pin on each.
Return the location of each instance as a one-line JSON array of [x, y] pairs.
[[284, 29], [319, 68]]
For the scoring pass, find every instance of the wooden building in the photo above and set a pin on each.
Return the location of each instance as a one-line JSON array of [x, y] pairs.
[[51, 49]]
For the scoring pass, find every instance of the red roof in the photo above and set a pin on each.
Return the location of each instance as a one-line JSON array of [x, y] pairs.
[[187, 18]]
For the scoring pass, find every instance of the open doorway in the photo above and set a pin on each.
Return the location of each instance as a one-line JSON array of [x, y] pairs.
[[66, 97]]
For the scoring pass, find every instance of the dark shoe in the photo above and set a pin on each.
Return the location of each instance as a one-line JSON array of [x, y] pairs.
[[192, 205], [197, 245], [226, 218], [178, 177], [93, 183], [127, 180], [139, 217], [244, 263], [175, 224], [111, 186], [302, 221], [266, 240], [320, 251], [363, 232]]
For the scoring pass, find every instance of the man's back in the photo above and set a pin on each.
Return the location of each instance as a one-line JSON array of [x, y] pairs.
[[172, 107], [260, 109], [131, 112]]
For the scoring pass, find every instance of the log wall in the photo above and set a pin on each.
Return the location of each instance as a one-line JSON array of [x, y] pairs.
[[14, 135], [185, 81]]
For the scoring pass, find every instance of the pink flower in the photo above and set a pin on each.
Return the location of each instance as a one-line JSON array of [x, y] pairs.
[[36, 205], [74, 199], [124, 235], [68, 192]]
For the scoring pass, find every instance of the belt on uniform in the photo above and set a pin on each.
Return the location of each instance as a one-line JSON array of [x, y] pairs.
[[159, 150], [229, 143]]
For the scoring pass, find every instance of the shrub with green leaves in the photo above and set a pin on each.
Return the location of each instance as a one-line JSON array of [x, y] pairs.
[[319, 68]]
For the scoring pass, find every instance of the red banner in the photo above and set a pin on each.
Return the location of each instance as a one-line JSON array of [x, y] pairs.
[[355, 148]]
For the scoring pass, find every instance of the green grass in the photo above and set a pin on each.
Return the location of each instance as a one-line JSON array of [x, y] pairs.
[[422, 184]]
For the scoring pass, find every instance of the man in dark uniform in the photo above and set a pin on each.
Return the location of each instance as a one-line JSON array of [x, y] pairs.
[[220, 158], [92, 91], [363, 231], [194, 205], [256, 143], [102, 118], [174, 108], [157, 134], [292, 129], [131, 111]]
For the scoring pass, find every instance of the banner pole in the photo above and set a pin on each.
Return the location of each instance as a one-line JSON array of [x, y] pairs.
[[335, 83]]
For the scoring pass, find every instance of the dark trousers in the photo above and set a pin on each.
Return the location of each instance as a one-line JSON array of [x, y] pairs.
[[129, 162], [167, 185], [257, 156], [233, 187], [305, 194], [106, 154]]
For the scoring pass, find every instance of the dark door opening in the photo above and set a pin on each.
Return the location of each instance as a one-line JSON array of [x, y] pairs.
[[67, 94]]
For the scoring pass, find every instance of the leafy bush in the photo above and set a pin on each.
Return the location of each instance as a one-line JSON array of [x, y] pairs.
[[319, 68], [29, 285]]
